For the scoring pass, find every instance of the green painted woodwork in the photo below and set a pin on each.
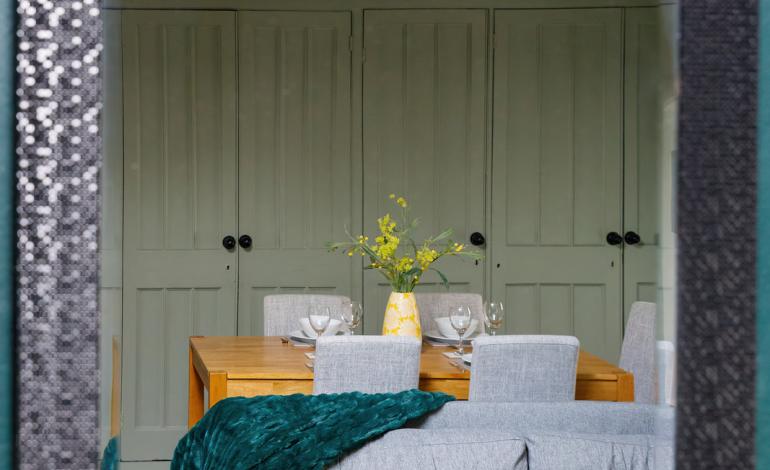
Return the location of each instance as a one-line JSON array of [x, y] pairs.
[[111, 232], [425, 88], [180, 200], [650, 112], [359, 5], [295, 167], [557, 174]]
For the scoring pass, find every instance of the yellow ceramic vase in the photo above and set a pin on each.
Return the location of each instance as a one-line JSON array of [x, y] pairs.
[[402, 317]]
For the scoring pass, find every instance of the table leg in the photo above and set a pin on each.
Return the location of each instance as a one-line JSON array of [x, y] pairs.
[[626, 387], [194, 395], [217, 387]]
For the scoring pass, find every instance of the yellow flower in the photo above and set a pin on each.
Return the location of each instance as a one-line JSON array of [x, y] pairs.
[[392, 196], [386, 246], [387, 225], [401, 202], [458, 247], [425, 256], [404, 264]]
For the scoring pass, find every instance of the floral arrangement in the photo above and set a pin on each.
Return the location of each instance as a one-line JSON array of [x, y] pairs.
[[396, 255]]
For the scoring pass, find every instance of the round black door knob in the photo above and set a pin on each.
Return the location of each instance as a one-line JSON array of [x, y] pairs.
[[477, 239], [614, 238], [632, 238], [245, 241], [228, 242]]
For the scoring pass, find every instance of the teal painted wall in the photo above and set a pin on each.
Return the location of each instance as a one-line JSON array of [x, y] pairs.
[[7, 291], [763, 242]]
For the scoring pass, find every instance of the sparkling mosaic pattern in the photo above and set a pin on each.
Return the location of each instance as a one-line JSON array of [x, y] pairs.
[[58, 219], [717, 233]]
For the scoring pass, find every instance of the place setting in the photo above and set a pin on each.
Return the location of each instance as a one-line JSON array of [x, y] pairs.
[[458, 329], [321, 321]]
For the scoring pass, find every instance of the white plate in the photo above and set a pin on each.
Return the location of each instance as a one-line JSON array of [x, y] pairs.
[[445, 329], [300, 337], [467, 358], [335, 326], [434, 335]]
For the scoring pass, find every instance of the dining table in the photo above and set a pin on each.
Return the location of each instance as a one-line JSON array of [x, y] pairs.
[[232, 366]]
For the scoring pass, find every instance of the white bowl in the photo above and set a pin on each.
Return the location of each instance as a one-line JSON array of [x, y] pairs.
[[446, 329], [331, 330]]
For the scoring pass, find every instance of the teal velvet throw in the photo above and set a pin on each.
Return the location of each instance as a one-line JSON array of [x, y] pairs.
[[296, 431]]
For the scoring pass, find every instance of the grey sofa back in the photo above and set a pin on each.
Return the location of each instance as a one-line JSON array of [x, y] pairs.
[[592, 417], [527, 436]]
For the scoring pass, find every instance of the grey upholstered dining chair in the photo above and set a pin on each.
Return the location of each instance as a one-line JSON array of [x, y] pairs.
[[638, 352], [434, 305], [368, 364], [524, 368], [283, 311]]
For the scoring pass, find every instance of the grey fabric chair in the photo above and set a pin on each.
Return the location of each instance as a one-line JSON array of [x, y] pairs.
[[282, 312], [434, 305], [368, 364], [524, 368], [638, 352]]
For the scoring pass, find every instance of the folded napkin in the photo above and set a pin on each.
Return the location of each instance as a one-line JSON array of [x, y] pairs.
[[296, 431]]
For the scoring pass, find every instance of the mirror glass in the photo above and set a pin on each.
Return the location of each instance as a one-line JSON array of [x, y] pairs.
[[239, 143]]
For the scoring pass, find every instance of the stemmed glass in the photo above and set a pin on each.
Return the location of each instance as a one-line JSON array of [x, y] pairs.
[[493, 316], [460, 318], [319, 318], [351, 315]]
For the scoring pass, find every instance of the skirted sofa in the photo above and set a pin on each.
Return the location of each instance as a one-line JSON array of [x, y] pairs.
[[569, 436]]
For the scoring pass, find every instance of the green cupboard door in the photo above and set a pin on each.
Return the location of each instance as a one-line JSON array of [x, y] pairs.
[[649, 155], [425, 75], [557, 174], [296, 187], [180, 199]]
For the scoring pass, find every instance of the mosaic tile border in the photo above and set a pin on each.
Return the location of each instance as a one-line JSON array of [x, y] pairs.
[[58, 158], [717, 234]]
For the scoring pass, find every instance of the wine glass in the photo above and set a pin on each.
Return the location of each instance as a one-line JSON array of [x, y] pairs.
[[493, 316], [319, 318], [460, 318], [351, 315]]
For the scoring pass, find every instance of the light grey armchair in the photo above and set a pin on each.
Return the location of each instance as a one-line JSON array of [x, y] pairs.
[[434, 305], [524, 368], [283, 311], [637, 354], [368, 364]]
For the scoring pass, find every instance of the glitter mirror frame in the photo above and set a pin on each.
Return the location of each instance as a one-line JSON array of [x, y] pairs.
[[57, 228]]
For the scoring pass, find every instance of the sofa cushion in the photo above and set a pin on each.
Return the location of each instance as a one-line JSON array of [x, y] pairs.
[[574, 417], [441, 449], [570, 451]]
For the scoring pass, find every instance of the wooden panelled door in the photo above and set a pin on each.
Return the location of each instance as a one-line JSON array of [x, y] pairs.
[[648, 151], [557, 174], [296, 187], [425, 75], [180, 200]]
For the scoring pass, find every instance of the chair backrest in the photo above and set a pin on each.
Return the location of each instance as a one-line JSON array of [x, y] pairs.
[[666, 364], [367, 364], [282, 312], [638, 352], [524, 368], [434, 305]]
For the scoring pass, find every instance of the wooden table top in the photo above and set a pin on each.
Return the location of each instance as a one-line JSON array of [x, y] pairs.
[[267, 357]]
